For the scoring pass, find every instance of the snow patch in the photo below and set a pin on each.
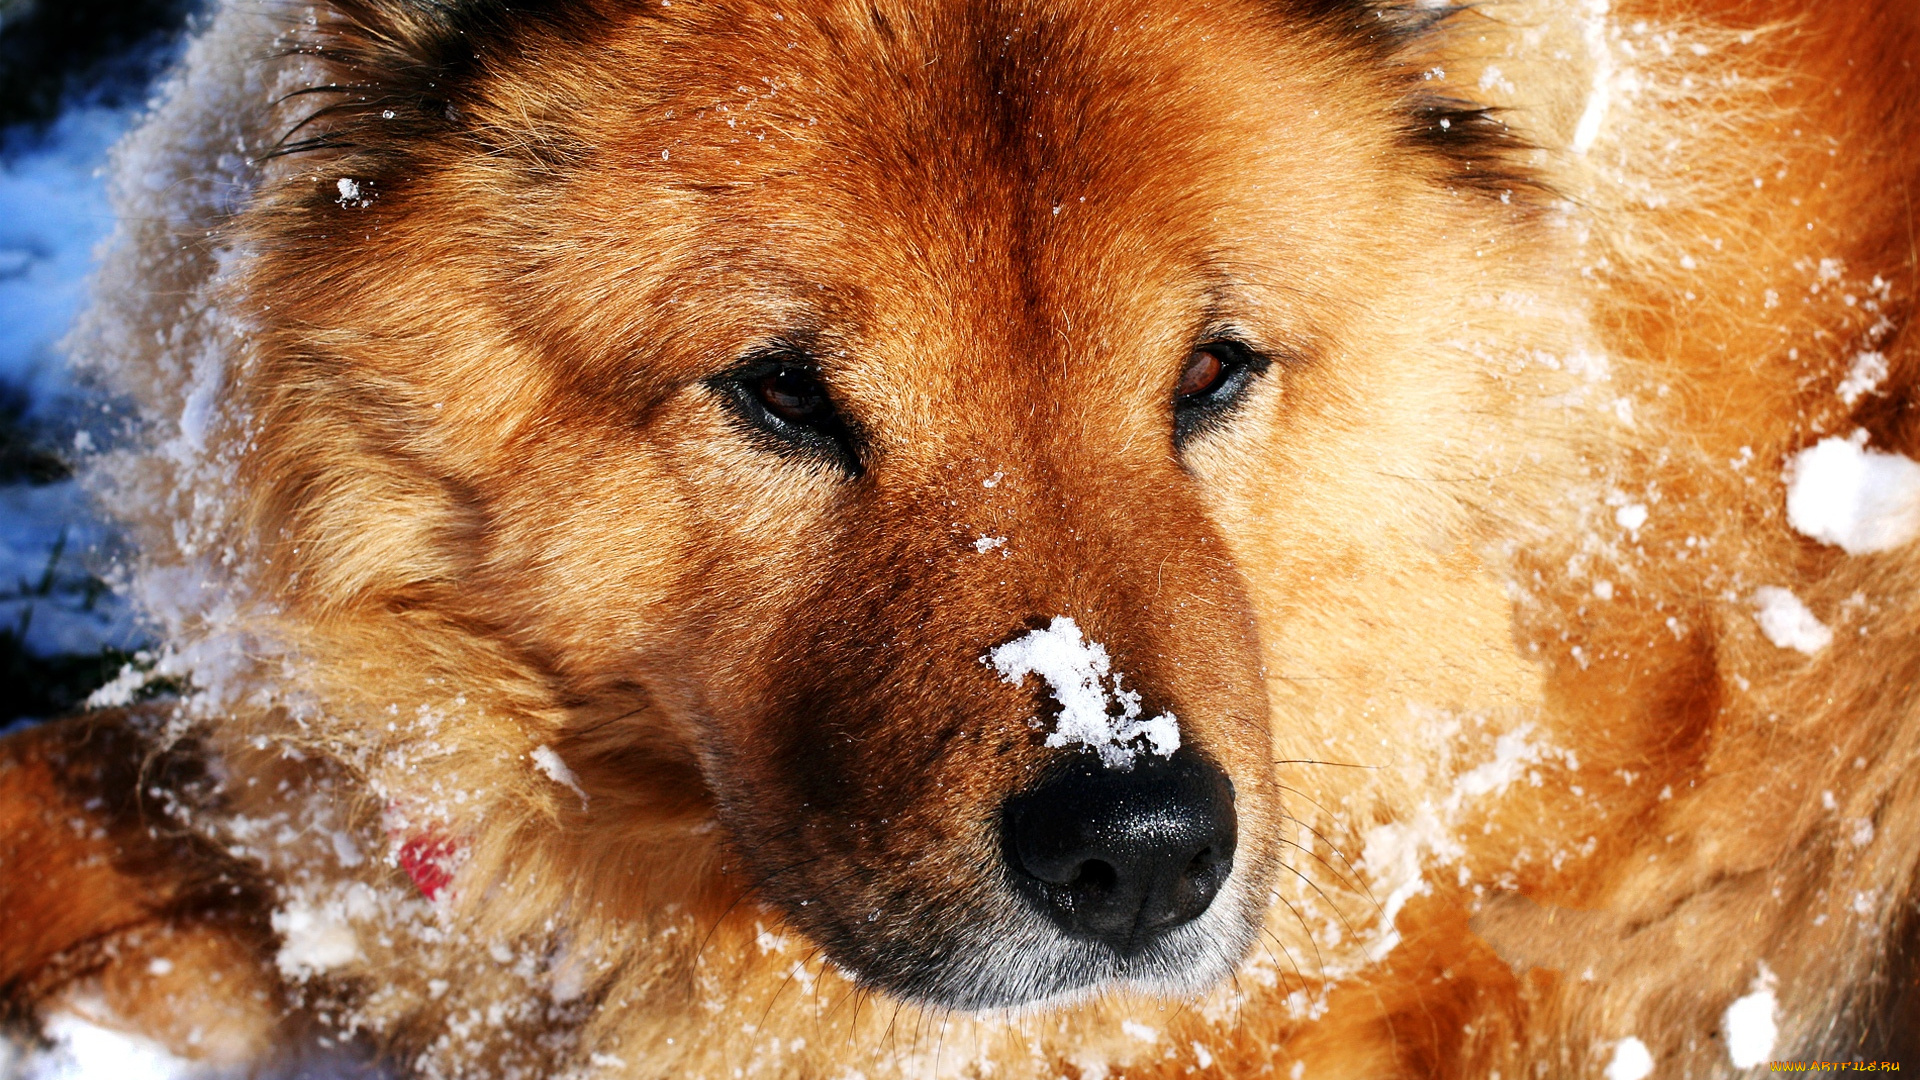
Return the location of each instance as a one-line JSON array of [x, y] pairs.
[[1631, 1060], [1750, 1024], [314, 938], [987, 543], [83, 1050], [1868, 370], [549, 762], [1841, 493], [1600, 96], [1075, 670], [352, 194], [1787, 622], [1395, 852]]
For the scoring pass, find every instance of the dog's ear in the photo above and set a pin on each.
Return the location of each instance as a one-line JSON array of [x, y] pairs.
[[1412, 43], [1389, 24], [380, 78]]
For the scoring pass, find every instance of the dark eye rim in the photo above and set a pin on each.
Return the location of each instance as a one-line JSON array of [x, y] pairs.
[[1200, 412], [831, 437]]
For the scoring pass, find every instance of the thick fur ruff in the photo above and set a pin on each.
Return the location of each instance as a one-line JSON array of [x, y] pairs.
[[552, 711]]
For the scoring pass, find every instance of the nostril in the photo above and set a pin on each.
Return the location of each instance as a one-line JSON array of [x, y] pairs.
[[1123, 857], [1094, 876]]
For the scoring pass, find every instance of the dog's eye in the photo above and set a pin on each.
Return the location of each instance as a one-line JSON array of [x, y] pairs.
[[1215, 378], [1204, 372], [785, 405], [795, 395]]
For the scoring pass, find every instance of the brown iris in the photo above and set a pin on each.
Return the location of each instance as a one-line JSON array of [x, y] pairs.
[[1204, 372]]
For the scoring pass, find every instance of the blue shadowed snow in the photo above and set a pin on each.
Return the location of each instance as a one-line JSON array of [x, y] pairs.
[[53, 214], [56, 615]]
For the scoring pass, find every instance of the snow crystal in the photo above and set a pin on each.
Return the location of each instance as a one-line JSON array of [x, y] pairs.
[[1749, 1023], [1841, 493], [1787, 622], [1631, 516], [1139, 1030], [987, 543], [1074, 670], [1631, 1060], [1863, 377], [549, 762]]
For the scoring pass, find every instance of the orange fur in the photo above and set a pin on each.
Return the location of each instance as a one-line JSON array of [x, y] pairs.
[[474, 504]]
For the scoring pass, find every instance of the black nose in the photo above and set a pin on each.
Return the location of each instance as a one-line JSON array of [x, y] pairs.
[[1123, 857]]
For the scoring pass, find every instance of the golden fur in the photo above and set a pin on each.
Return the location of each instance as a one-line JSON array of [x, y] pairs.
[[1461, 596]]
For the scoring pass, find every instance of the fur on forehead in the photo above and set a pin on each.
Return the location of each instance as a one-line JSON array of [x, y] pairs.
[[401, 81]]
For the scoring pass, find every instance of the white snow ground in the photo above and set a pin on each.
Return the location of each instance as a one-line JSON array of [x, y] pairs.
[[53, 213]]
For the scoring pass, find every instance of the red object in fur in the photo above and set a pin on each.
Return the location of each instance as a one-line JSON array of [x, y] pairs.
[[426, 859]]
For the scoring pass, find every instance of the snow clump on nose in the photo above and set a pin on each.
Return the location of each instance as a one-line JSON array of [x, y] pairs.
[[1075, 670]]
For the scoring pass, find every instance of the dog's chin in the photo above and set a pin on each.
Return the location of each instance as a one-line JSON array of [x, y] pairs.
[[1021, 962]]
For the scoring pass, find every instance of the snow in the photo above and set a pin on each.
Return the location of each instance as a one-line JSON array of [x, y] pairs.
[[1787, 622], [1750, 1025], [987, 543], [47, 533], [1393, 857], [1600, 96], [53, 211], [1395, 851], [83, 1050], [549, 762], [1868, 370], [1841, 493], [315, 938], [1631, 1060], [1074, 670]]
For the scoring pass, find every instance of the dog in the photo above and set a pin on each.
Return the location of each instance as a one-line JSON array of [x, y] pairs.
[[1312, 537]]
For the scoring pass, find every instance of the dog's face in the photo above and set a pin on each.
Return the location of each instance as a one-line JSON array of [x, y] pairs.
[[779, 381]]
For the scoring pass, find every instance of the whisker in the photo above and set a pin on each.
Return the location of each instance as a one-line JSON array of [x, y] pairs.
[[1316, 888], [1302, 920], [1333, 847]]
